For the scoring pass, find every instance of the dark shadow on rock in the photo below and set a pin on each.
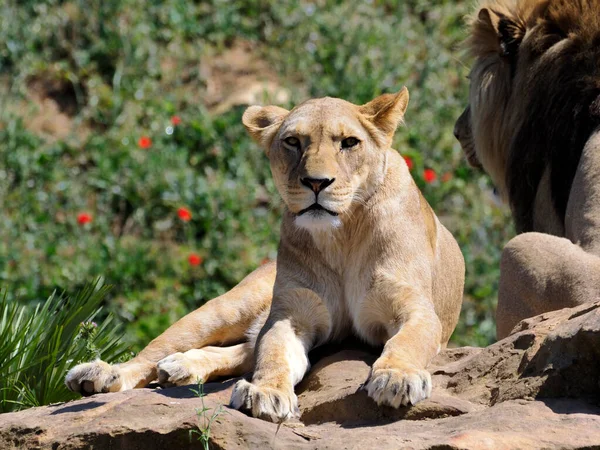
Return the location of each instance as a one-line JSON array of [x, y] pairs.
[[188, 391], [148, 439], [353, 410], [350, 343], [77, 408], [571, 406], [359, 410]]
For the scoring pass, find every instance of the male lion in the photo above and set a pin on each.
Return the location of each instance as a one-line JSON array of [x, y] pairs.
[[361, 252], [533, 124]]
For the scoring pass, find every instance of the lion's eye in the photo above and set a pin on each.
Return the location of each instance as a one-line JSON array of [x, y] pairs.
[[292, 141], [350, 142]]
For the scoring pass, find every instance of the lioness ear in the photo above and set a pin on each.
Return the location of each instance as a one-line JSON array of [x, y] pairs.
[[387, 111], [262, 122]]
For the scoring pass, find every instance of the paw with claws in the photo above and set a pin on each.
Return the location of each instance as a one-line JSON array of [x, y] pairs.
[[399, 387], [265, 402], [93, 378], [179, 370]]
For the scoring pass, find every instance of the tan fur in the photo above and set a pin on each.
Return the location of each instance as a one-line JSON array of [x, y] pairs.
[[381, 266], [539, 272]]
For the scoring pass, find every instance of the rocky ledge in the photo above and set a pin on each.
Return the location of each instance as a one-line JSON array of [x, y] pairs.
[[538, 388]]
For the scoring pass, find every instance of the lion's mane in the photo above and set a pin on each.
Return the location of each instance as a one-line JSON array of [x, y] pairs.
[[535, 95]]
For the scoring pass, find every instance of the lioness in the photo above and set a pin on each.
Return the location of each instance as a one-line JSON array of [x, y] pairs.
[[361, 252], [533, 124]]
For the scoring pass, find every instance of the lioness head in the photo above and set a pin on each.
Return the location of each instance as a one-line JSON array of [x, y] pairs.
[[327, 154]]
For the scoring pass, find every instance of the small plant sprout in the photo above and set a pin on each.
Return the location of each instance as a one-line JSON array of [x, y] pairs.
[[205, 420]]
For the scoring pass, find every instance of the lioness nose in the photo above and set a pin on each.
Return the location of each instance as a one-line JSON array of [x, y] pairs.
[[317, 184]]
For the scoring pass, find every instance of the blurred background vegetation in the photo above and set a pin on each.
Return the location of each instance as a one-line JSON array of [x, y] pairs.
[[122, 152]]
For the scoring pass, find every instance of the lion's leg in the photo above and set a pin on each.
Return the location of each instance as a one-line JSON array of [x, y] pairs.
[[541, 273], [296, 322], [223, 320], [583, 210]]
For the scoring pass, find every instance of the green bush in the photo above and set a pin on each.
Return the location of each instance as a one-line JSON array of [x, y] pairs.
[[38, 345], [121, 69]]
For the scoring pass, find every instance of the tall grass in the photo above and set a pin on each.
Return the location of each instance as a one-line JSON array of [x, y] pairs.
[[39, 344]]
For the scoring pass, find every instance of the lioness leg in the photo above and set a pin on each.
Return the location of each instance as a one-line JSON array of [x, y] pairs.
[[206, 363], [398, 377], [541, 273], [296, 322], [223, 320]]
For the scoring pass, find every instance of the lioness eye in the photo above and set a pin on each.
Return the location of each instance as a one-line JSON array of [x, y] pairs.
[[292, 141], [350, 142]]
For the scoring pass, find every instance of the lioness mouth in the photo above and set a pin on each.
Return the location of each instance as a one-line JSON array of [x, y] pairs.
[[316, 207]]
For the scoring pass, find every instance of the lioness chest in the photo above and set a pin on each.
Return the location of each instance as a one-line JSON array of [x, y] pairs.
[[364, 270], [348, 284]]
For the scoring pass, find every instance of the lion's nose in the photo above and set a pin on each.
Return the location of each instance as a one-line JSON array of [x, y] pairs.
[[457, 132], [317, 184]]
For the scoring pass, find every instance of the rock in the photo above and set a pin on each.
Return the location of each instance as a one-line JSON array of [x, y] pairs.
[[549, 356], [535, 389]]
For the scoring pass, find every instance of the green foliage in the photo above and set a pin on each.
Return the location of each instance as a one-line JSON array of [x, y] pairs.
[[120, 69], [205, 420], [38, 345]]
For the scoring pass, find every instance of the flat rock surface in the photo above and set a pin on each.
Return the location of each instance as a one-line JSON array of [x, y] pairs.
[[538, 388]]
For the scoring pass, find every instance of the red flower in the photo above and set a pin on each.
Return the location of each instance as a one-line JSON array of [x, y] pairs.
[[265, 261], [446, 177], [195, 259], [184, 214], [429, 175], [145, 142], [83, 218], [175, 120], [409, 162]]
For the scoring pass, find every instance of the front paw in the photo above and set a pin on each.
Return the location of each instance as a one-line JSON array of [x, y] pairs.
[[92, 378], [176, 370], [399, 387], [265, 402]]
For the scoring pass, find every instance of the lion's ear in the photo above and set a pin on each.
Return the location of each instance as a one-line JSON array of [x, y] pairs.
[[504, 34], [510, 35], [488, 19], [387, 111], [262, 122]]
